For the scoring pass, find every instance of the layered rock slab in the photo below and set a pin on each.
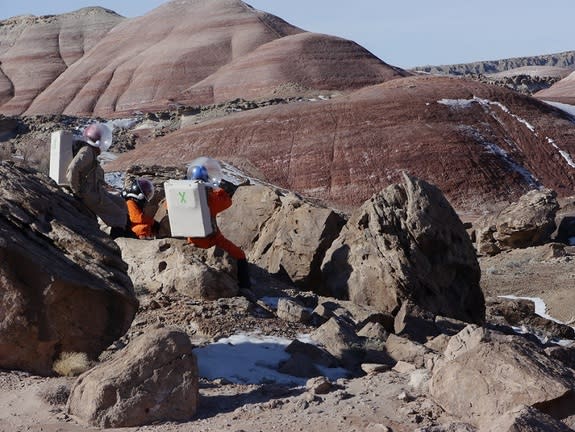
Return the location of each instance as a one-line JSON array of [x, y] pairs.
[[486, 374], [406, 243], [63, 283], [156, 379]]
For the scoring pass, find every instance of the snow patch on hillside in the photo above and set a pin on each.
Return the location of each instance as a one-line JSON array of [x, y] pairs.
[[466, 103], [569, 109]]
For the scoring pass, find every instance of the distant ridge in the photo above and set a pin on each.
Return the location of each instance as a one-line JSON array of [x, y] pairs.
[[563, 59]]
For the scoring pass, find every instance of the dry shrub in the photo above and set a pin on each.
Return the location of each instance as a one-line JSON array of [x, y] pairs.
[[55, 394], [71, 364]]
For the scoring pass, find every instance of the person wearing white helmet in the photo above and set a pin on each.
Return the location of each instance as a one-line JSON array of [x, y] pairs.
[[86, 179], [218, 200]]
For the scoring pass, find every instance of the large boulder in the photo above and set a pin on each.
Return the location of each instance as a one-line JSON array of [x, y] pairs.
[[407, 243], [525, 419], [171, 264], [486, 374], [282, 233], [155, 379], [253, 207], [63, 283], [528, 222]]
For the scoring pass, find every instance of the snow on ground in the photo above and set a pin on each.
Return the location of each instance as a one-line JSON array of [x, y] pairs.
[[563, 153], [466, 103], [540, 307], [569, 109], [126, 123], [524, 172], [252, 359], [115, 179], [541, 310]]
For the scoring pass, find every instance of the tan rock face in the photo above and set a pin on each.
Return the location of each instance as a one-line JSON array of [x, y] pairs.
[[528, 222], [63, 284], [282, 233], [406, 243], [525, 419], [492, 376], [156, 379], [168, 265]]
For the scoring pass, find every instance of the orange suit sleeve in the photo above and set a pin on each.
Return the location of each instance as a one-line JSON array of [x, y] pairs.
[[218, 200], [141, 224]]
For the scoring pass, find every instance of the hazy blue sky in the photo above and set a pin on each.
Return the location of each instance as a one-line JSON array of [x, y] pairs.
[[403, 33]]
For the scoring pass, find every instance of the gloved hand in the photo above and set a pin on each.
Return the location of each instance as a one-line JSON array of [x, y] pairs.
[[229, 187]]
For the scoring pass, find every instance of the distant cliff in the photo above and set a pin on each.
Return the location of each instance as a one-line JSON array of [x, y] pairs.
[[564, 59]]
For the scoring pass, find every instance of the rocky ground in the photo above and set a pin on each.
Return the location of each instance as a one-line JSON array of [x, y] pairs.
[[384, 401]]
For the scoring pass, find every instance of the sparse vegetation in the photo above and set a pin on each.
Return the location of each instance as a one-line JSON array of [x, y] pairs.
[[55, 394], [71, 364]]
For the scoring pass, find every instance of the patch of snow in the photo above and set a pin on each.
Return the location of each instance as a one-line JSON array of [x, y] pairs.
[[456, 103], [492, 148], [251, 359], [569, 109], [466, 103], [115, 179], [541, 310], [563, 153], [127, 123], [524, 172]]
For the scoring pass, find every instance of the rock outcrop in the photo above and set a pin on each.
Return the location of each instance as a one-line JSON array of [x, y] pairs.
[[565, 221], [563, 59], [156, 379], [406, 243], [63, 284], [525, 419], [167, 265], [494, 373], [282, 233], [528, 222]]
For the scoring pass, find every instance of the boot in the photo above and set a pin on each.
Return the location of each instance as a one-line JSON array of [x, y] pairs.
[[244, 274], [116, 232]]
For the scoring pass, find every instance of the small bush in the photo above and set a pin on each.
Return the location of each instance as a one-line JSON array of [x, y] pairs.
[[56, 394], [71, 364]]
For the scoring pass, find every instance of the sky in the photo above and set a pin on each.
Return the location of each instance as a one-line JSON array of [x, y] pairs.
[[401, 33]]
